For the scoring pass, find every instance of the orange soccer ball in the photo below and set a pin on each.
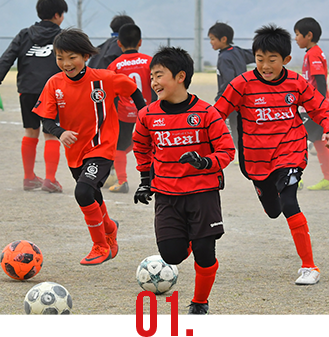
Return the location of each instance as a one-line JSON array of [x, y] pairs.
[[21, 260]]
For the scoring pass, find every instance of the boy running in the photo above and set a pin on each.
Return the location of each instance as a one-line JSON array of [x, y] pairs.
[[315, 71], [137, 66], [33, 48], [272, 137], [182, 146], [89, 130]]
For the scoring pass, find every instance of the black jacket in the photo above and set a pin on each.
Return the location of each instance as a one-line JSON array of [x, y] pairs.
[[108, 52], [36, 63]]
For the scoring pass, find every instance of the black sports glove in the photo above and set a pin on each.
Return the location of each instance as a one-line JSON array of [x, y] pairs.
[[143, 192], [194, 159]]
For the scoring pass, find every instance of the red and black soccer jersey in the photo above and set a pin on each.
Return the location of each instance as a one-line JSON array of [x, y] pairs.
[[87, 107], [315, 63], [271, 132], [161, 137], [136, 66]]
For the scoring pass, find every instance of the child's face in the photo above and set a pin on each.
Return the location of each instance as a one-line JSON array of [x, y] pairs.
[[165, 85], [269, 64], [217, 43], [70, 62], [302, 41]]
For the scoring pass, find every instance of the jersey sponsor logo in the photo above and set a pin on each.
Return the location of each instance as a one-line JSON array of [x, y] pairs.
[[216, 224], [128, 63], [193, 120], [259, 101], [290, 98], [91, 171], [59, 96], [176, 138], [39, 51], [159, 122], [98, 95], [267, 114]]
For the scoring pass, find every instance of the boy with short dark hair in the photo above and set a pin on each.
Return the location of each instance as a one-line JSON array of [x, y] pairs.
[[109, 50], [315, 71], [232, 61], [273, 139], [89, 131], [36, 64], [182, 146], [136, 66]]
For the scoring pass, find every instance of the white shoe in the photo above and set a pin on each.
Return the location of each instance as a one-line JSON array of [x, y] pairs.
[[309, 276]]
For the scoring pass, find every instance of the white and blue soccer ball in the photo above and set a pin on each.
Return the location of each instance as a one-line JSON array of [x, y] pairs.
[[48, 298], [154, 274]]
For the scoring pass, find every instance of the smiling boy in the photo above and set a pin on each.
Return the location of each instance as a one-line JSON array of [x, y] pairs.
[[184, 144], [272, 137]]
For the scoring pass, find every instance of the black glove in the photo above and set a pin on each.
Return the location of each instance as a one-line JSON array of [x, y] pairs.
[[143, 192], [194, 159]]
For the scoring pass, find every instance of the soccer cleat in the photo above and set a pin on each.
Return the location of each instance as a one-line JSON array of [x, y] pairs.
[[96, 256], [51, 187], [300, 184], [308, 276], [322, 185], [198, 309], [117, 188], [111, 240], [29, 185], [112, 179]]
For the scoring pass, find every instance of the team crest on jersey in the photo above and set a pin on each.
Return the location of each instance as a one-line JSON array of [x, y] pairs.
[[98, 95], [290, 98], [193, 120]]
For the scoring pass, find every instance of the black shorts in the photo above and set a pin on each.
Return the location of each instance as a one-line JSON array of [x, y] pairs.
[[125, 135], [192, 216], [94, 172], [30, 119]]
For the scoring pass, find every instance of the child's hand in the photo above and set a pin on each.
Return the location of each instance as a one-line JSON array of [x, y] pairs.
[[325, 138], [68, 138]]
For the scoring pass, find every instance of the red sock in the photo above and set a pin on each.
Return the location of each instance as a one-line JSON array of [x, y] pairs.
[[300, 233], [51, 156], [120, 164], [204, 280], [29, 151], [109, 225], [94, 221], [323, 157]]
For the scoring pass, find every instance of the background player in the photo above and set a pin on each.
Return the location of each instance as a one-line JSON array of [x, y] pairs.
[[36, 63], [315, 71], [192, 146], [89, 131], [232, 61], [109, 50], [273, 146], [137, 66]]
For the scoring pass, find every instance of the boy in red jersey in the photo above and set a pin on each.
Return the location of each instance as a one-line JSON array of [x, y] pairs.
[[182, 145], [137, 66], [272, 137], [308, 32], [89, 130], [33, 49]]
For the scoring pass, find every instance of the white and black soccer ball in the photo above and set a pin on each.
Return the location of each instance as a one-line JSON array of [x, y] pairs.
[[154, 274], [48, 298]]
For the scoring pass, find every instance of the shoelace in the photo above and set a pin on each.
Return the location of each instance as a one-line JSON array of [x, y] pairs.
[[96, 251], [305, 271]]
